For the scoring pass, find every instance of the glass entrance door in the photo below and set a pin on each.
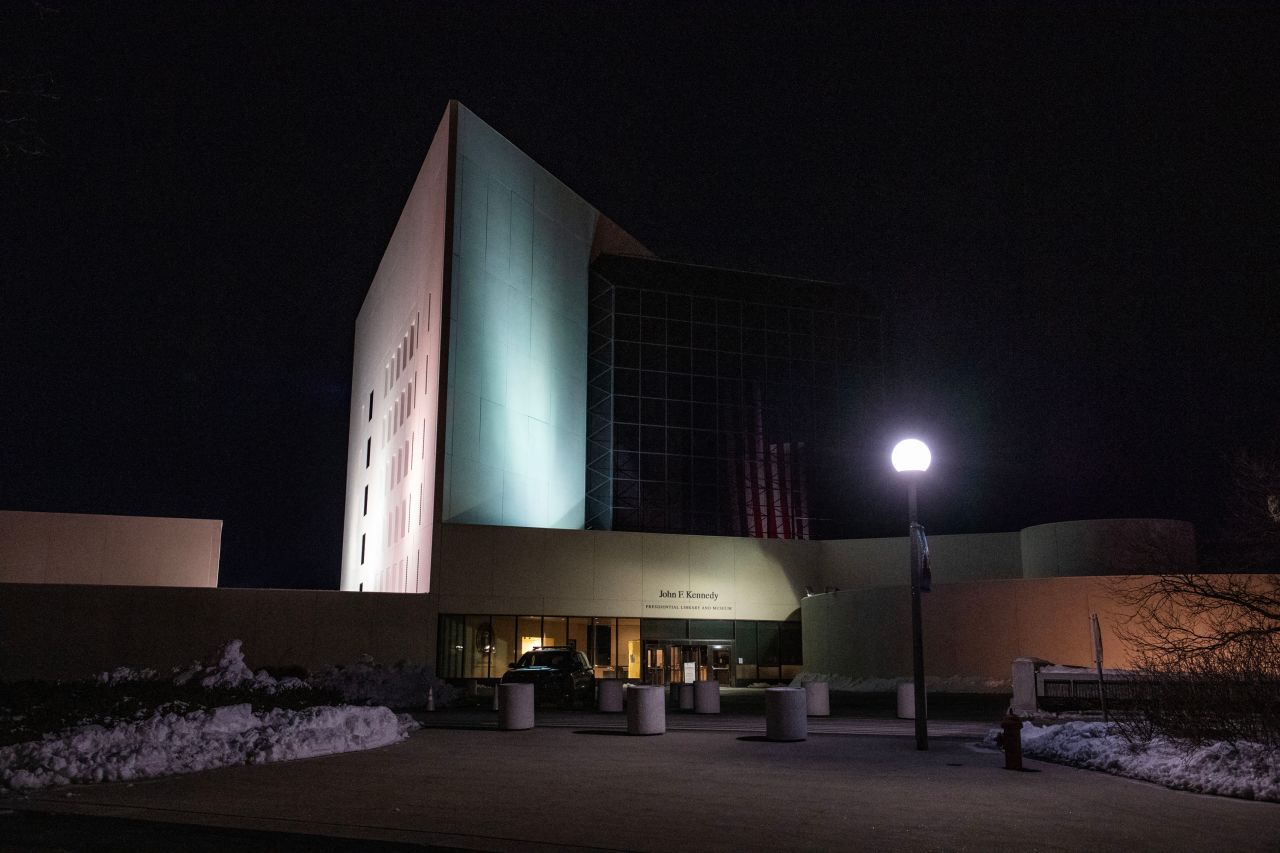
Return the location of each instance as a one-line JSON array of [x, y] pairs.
[[721, 657], [685, 661]]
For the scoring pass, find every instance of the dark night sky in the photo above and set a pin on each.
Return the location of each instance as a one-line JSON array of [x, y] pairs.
[[1070, 211]]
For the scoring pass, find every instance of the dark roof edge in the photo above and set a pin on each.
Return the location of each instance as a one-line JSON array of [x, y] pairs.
[[848, 288]]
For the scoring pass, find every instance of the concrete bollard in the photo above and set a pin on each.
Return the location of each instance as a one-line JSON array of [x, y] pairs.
[[646, 713], [706, 697], [1024, 685], [686, 697], [907, 701], [515, 708], [784, 714], [610, 695], [817, 696]]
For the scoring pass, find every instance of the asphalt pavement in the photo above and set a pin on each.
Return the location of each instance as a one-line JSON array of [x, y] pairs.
[[578, 782]]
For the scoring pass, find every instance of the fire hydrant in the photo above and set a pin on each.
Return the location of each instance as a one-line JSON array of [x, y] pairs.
[[1010, 740]]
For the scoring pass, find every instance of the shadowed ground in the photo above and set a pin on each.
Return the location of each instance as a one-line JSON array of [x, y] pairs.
[[556, 787]]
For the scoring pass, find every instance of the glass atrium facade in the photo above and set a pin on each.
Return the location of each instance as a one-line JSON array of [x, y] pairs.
[[725, 403]]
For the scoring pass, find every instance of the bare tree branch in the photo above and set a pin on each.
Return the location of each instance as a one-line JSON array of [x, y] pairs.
[[1251, 517], [28, 86], [1208, 648]]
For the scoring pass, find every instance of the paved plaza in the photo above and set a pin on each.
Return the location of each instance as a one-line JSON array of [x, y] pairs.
[[579, 782]]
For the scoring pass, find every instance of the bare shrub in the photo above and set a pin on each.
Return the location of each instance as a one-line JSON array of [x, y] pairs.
[[1207, 648]]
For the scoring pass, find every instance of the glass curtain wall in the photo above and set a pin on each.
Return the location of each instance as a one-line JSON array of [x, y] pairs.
[[726, 401], [629, 648], [530, 634], [482, 646]]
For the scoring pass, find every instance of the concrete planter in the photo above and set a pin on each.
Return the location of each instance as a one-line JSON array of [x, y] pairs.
[[706, 697], [817, 698], [609, 698], [515, 706], [646, 712], [784, 714], [907, 701]]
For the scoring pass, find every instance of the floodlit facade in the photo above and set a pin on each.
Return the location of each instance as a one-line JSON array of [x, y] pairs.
[[560, 438], [482, 291]]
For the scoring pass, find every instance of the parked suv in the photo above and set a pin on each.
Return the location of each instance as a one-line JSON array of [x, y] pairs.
[[558, 674]]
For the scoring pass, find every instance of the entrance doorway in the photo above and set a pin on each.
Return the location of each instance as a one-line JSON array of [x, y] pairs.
[[684, 661]]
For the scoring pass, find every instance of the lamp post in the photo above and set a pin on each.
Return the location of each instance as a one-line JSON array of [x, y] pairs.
[[911, 457]]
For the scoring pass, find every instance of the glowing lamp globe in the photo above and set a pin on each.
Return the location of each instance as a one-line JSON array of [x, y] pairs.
[[911, 454]]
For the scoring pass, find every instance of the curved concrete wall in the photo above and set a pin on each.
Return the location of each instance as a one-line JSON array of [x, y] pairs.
[[1098, 547], [1112, 546], [858, 563]]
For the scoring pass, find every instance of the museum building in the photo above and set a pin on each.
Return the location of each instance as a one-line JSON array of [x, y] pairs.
[[559, 438]]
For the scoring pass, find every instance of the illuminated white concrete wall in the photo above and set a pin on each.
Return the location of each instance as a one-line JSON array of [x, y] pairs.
[[486, 272], [512, 570], [482, 569], [516, 397], [395, 392]]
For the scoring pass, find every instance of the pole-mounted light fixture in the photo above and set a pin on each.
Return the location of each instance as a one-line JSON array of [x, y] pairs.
[[911, 457], [911, 454]]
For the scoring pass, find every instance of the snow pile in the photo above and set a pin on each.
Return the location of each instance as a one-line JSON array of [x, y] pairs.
[[124, 675], [173, 738], [365, 682], [168, 743], [403, 685], [230, 671], [933, 684], [1246, 770]]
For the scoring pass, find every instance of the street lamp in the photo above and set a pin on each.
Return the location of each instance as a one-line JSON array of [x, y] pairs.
[[911, 457]]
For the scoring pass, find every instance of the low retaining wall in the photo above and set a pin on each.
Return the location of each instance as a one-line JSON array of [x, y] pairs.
[[52, 631], [972, 630], [70, 548]]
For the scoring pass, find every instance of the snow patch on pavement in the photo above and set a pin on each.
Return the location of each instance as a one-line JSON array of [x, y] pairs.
[[169, 743], [1245, 770], [933, 684]]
